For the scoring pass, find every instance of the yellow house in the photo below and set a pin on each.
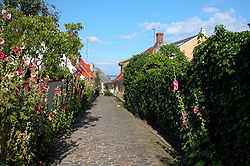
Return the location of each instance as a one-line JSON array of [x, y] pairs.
[[123, 64], [186, 45]]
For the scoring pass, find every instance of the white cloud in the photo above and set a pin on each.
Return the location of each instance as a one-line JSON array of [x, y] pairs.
[[210, 10], [93, 39], [191, 26], [126, 36]]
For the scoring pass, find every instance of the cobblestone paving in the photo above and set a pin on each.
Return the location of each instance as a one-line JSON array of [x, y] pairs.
[[109, 135]]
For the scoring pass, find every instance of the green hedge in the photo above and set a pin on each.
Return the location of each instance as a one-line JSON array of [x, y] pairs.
[[220, 75], [209, 111]]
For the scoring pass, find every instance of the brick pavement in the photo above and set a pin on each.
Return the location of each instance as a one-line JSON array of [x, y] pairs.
[[108, 135]]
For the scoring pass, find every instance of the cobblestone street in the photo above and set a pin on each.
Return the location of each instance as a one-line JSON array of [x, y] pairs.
[[109, 135]]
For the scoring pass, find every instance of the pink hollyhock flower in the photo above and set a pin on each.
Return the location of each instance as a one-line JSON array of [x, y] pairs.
[[196, 110], [16, 50], [183, 113], [2, 100], [79, 89], [2, 55], [23, 134], [2, 41], [176, 87], [6, 89], [19, 71], [49, 118]]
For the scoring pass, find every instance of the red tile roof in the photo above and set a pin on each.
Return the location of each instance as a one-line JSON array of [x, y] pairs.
[[84, 69], [150, 50], [119, 77]]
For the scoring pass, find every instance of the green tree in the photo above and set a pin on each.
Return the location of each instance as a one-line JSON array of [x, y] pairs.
[[32, 7], [42, 39]]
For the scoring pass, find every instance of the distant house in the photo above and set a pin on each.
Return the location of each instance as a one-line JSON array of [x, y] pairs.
[[186, 45], [79, 67], [106, 83], [118, 86], [84, 69]]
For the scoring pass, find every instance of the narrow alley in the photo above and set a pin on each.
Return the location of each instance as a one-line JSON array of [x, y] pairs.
[[109, 135]]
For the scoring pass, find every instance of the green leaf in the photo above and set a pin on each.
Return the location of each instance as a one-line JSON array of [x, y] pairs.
[[193, 154], [200, 163]]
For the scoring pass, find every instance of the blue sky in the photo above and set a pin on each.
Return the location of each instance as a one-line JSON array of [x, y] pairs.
[[115, 30]]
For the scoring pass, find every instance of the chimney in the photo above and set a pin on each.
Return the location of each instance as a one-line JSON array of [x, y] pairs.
[[203, 31], [91, 66], [159, 38]]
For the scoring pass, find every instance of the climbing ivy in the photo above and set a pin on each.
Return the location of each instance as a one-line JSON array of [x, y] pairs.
[[205, 101]]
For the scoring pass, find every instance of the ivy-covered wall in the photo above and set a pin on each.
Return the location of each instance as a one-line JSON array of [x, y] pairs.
[[205, 102]]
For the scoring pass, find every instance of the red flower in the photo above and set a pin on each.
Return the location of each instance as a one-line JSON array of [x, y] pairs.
[[57, 90], [19, 71], [2, 55], [38, 108], [176, 87], [27, 88], [50, 113], [16, 50]]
